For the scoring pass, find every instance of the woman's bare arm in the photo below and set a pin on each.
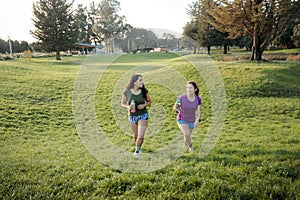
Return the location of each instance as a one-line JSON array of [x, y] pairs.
[[123, 102]]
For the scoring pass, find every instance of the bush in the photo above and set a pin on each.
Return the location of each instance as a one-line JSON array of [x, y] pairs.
[[272, 48], [275, 56], [236, 57], [293, 57], [6, 57], [266, 56], [42, 55]]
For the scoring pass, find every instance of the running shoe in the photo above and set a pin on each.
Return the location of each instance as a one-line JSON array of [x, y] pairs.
[[191, 149]]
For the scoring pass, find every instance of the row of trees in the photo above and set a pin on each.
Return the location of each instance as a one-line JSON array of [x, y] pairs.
[[58, 27], [139, 38], [17, 46], [260, 22], [253, 24], [101, 22]]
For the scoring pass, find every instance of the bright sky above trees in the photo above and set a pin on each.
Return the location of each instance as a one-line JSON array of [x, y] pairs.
[[15, 15]]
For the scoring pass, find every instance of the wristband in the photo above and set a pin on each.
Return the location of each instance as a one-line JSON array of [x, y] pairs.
[[199, 120]]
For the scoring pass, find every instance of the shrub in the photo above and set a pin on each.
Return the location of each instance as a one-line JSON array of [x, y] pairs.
[[6, 57], [274, 56], [42, 55], [272, 48], [293, 57], [236, 57], [266, 56]]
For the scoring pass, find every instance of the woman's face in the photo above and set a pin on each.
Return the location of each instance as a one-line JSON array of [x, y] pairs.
[[139, 83], [190, 89]]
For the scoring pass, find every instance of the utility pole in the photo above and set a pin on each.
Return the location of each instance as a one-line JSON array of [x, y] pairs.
[[128, 45], [10, 48]]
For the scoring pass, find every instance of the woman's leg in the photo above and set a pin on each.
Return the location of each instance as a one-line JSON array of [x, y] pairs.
[[191, 148], [142, 125], [186, 134], [134, 128]]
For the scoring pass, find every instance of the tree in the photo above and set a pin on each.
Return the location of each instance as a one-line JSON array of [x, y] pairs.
[[92, 14], [24, 45], [262, 20], [56, 27], [35, 46], [243, 41], [108, 22], [19, 46], [296, 36], [169, 41], [206, 34], [136, 38], [3, 46], [82, 18], [190, 30], [285, 40]]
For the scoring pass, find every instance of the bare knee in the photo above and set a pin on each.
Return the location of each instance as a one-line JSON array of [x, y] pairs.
[[134, 128]]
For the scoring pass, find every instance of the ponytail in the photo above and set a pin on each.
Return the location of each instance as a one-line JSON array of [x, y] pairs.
[[144, 92]]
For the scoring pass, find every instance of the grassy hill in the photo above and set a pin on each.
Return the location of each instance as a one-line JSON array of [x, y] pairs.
[[42, 155]]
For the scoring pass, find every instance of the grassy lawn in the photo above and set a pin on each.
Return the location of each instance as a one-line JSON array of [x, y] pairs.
[[42, 155]]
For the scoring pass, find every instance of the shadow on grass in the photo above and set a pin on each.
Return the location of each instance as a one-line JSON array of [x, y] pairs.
[[282, 82], [272, 162], [274, 82]]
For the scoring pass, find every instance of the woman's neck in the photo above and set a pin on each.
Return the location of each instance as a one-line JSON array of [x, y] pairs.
[[191, 95], [136, 89]]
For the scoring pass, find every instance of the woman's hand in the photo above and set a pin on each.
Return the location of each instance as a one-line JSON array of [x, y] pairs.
[[141, 106], [196, 123], [123, 102]]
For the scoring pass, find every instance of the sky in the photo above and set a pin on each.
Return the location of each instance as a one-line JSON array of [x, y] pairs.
[[16, 16]]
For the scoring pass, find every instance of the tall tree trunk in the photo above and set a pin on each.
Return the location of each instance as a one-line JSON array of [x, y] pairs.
[[208, 50], [225, 49], [113, 45], [258, 53], [252, 54], [255, 44], [58, 55]]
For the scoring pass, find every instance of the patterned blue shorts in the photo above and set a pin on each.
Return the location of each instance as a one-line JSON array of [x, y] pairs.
[[135, 119]]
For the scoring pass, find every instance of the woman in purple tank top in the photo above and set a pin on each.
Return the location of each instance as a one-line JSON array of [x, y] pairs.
[[186, 106]]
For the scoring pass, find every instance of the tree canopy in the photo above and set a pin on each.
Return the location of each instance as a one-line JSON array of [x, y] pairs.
[[201, 30], [108, 22], [56, 28], [17, 46], [136, 38], [262, 20]]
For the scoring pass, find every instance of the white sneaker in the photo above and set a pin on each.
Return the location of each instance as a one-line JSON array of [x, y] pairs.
[[191, 149], [136, 153]]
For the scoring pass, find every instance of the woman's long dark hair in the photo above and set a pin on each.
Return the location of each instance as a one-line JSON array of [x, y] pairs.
[[195, 86], [133, 79]]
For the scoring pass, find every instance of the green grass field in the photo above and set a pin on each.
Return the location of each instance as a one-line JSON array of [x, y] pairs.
[[42, 156]]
